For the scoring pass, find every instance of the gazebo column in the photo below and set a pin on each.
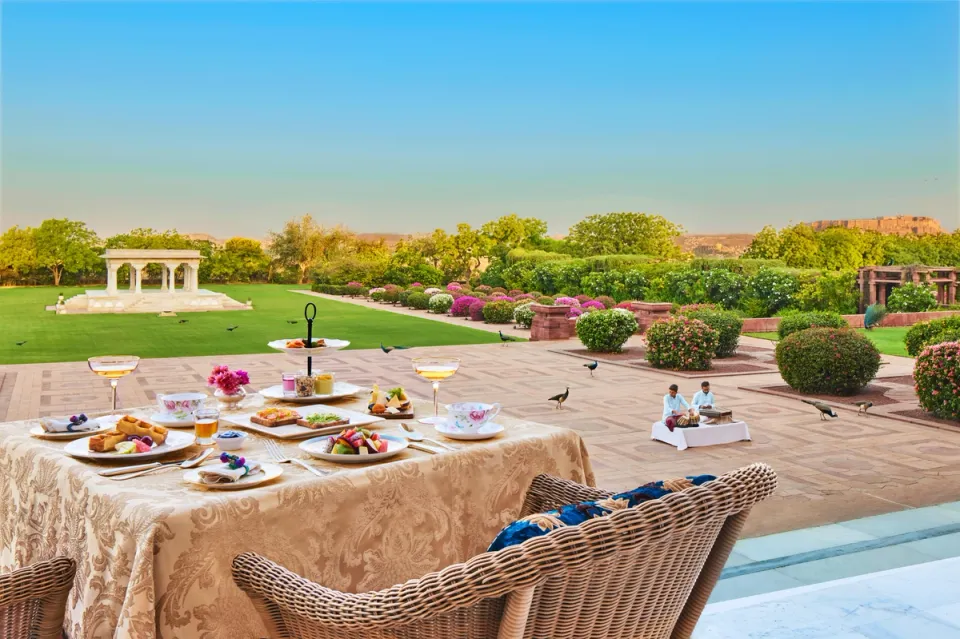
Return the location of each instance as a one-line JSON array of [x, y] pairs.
[[186, 276], [163, 277], [952, 288], [195, 277], [883, 293], [112, 278], [137, 271], [172, 277], [133, 278], [871, 289]]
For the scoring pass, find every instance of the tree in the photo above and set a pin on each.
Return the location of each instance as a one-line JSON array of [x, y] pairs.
[[241, 260], [65, 245], [18, 250], [626, 233], [799, 247], [465, 251], [511, 231], [765, 245], [304, 244]]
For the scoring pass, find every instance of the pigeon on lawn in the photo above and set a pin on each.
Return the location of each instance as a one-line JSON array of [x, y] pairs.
[[561, 398], [824, 409], [233, 328], [292, 321], [592, 366], [506, 338], [862, 407], [21, 343], [182, 321]]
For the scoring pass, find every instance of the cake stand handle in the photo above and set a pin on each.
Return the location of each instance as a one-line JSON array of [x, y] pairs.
[[309, 316]]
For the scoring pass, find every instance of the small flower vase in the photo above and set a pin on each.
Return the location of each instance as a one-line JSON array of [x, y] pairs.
[[231, 401]]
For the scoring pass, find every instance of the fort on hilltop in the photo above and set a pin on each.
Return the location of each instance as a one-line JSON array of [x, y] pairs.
[[897, 224]]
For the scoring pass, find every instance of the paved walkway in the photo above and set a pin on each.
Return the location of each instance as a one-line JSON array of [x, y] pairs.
[[829, 471]]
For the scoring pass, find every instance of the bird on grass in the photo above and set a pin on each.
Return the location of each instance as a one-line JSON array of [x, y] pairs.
[[824, 409], [21, 343], [592, 366], [292, 321], [862, 407], [506, 338], [561, 398], [233, 328], [387, 349], [182, 321]]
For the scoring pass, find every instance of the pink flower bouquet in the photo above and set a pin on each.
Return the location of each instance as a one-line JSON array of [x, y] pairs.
[[228, 381]]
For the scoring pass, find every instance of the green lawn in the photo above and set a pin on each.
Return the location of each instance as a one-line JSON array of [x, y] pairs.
[[888, 340], [63, 338]]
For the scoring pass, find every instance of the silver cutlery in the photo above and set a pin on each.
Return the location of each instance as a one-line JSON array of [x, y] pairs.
[[416, 436], [273, 449], [188, 463]]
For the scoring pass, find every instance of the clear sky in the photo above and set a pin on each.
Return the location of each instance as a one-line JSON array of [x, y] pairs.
[[229, 118]]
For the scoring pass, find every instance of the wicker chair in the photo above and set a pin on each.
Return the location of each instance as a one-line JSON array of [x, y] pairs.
[[33, 600], [644, 572]]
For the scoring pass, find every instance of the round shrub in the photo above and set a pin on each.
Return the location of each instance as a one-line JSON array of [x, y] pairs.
[[726, 324], [546, 300], [391, 287], [391, 295], [574, 312], [937, 376], [626, 305], [433, 290], [419, 301], [681, 343], [404, 297], [376, 293], [498, 290], [836, 361], [689, 308], [911, 298], [796, 322], [514, 292], [498, 312], [476, 310], [597, 306], [922, 334], [566, 301], [483, 288], [605, 331], [454, 286], [355, 289], [607, 301], [535, 294], [461, 306], [501, 298], [524, 296], [440, 303], [523, 315], [583, 298]]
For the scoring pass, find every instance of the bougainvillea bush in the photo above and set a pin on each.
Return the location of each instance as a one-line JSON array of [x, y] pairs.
[[837, 361], [476, 310], [523, 315], [574, 312], [453, 286], [681, 343], [594, 305], [912, 298], [355, 289], [440, 303], [498, 312], [937, 375], [461, 306], [605, 331], [566, 301], [607, 301], [376, 293], [726, 324]]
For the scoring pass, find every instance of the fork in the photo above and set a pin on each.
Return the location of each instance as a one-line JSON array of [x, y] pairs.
[[277, 454]]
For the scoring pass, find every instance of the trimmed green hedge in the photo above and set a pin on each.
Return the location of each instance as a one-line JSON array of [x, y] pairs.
[[836, 361], [498, 312], [418, 301], [332, 289], [796, 322], [606, 331], [922, 334]]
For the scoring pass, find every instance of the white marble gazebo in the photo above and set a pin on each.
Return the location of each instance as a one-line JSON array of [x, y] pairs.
[[136, 300]]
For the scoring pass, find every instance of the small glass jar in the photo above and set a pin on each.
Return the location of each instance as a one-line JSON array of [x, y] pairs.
[[289, 382], [323, 383], [304, 385]]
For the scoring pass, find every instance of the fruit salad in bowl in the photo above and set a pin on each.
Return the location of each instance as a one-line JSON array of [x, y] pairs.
[[357, 441]]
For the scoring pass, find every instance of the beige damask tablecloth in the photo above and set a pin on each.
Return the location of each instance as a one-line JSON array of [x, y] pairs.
[[154, 553]]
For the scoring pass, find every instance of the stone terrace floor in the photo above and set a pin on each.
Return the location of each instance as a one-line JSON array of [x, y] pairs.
[[829, 471]]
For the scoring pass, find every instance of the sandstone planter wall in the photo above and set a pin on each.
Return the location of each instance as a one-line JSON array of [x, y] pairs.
[[770, 324], [649, 312], [550, 322]]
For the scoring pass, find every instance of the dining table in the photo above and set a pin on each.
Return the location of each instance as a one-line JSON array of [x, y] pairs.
[[154, 553]]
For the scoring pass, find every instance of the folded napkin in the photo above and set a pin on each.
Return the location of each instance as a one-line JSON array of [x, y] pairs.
[[223, 474], [51, 425]]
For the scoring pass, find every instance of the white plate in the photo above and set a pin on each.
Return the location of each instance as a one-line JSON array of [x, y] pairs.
[[340, 389], [270, 471], [395, 445], [103, 426], [171, 422], [294, 431], [175, 441], [488, 430], [332, 345]]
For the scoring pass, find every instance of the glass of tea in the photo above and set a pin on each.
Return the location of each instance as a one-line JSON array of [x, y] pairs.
[[206, 421]]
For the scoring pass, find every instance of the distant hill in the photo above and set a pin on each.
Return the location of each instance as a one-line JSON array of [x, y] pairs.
[[715, 244]]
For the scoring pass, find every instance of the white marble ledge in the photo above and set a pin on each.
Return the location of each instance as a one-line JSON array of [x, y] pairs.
[[920, 601]]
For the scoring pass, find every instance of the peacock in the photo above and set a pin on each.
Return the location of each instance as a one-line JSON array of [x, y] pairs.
[[874, 316]]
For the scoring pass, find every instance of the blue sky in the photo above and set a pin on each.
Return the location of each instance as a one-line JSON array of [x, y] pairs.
[[229, 118]]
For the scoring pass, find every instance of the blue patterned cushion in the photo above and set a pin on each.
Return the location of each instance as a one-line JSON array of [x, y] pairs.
[[541, 523]]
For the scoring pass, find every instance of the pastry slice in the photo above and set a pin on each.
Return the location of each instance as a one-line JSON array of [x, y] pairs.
[[129, 425], [105, 442]]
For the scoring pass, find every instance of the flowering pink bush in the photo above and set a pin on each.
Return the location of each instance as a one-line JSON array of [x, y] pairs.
[[227, 380], [461, 305], [499, 290], [583, 298], [501, 298], [593, 304], [354, 284], [453, 286], [391, 287], [483, 288], [574, 312], [937, 374], [567, 301], [626, 305], [607, 301], [514, 292], [524, 296], [476, 310], [681, 343]]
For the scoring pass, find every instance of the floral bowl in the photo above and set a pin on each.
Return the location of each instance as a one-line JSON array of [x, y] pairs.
[[180, 405]]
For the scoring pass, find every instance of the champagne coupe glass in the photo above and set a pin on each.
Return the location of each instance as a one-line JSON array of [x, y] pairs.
[[113, 367], [435, 369]]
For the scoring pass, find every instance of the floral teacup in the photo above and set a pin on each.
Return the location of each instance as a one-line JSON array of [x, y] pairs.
[[180, 405], [469, 417]]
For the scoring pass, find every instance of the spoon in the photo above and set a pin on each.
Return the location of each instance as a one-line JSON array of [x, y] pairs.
[[144, 468], [415, 435]]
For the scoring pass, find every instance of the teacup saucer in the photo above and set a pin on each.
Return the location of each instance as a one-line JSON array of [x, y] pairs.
[[488, 430], [170, 421]]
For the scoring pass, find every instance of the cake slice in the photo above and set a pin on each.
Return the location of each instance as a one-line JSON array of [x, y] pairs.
[[105, 442], [132, 426]]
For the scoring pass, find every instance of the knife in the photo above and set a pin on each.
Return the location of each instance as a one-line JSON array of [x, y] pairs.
[[193, 461]]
